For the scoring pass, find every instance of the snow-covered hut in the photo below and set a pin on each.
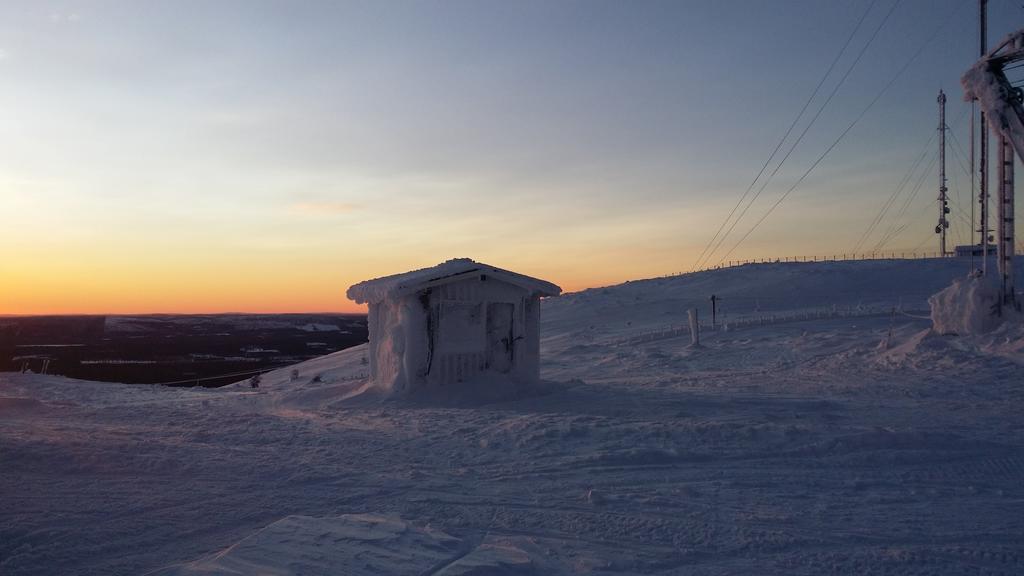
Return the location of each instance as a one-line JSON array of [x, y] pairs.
[[456, 321]]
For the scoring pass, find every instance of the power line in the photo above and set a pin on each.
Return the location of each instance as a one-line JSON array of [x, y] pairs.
[[899, 190], [922, 242], [845, 132], [958, 151], [927, 207], [221, 376], [961, 160], [789, 130], [898, 228], [895, 228], [958, 203], [817, 114], [880, 217]]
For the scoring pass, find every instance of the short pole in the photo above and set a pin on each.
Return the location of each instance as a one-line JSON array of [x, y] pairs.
[[694, 326]]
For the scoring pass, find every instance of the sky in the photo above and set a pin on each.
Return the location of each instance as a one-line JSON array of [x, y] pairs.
[[263, 156]]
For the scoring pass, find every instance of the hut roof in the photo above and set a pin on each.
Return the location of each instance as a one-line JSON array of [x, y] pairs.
[[396, 285]]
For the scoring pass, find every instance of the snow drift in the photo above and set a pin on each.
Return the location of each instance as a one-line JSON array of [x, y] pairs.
[[358, 543], [969, 306]]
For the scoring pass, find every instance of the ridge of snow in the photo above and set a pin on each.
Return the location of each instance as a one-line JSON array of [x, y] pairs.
[[378, 289], [362, 544], [967, 306], [297, 545]]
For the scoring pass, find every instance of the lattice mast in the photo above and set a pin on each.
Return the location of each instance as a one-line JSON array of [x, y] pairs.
[[1003, 104], [943, 224], [983, 229]]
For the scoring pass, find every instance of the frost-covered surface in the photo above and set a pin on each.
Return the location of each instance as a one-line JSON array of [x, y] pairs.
[[379, 545], [993, 92], [753, 291], [457, 322], [386, 287], [969, 305], [802, 448], [363, 543]]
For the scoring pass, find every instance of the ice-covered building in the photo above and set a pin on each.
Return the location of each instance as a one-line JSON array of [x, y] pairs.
[[457, 321]]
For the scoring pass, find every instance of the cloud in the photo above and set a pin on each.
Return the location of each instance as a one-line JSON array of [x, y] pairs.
[[58, 17], [323, 208], [4, 55]]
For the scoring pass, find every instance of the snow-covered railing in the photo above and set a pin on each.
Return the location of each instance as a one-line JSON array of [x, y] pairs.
[[827, 258], [351, 377], [766, 320]]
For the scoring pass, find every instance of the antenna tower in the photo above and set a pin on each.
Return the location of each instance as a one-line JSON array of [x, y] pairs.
[[943, 224], [983, 229]]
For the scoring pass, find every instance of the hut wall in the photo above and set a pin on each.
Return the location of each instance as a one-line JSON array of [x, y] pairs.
[[478, 328]]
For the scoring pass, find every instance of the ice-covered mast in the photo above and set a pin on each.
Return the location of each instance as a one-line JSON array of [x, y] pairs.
[[943, 224], [983, 227], [1001, 102]]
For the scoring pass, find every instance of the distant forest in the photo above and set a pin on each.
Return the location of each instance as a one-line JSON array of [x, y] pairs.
[[176, 350]]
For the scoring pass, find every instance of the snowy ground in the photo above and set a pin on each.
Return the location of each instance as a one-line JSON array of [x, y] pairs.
[[785, 448]]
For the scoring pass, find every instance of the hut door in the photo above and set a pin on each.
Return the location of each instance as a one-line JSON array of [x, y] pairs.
[[499, 336]]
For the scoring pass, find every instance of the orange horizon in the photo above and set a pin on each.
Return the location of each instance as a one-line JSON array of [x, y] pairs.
[[255, 306], [78, 289]]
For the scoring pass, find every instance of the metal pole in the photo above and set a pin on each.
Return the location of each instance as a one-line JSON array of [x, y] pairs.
[[983, 146], [972, 185], [943, 224], [1005, 245]]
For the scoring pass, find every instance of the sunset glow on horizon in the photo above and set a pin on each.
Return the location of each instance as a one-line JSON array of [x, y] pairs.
[[263, 157]]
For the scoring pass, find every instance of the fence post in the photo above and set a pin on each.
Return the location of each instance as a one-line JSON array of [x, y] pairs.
[[694, 327]]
